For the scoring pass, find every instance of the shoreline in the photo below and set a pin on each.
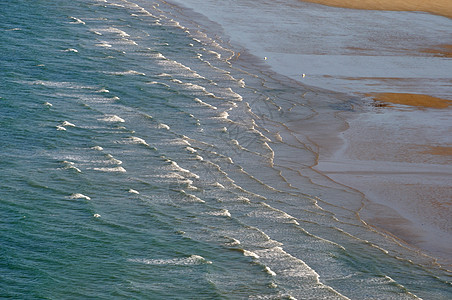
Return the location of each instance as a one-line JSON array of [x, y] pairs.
[[289, 61]]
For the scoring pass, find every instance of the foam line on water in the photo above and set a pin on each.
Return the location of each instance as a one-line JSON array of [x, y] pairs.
[[71, 165], [79, 196], [76, 21], [188, 261], [112, 119], [111, 169]]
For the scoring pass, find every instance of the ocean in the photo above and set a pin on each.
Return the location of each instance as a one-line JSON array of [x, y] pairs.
[[144, 157]]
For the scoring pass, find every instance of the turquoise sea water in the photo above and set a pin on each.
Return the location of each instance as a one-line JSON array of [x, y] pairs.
[[139, 159]]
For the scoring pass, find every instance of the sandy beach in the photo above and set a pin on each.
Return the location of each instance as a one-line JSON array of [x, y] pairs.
[[439, 7], [397, 163], [405, 175], [396, 147]]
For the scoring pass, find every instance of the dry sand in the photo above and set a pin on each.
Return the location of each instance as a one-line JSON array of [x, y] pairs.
[[438, 7], [411, 100], [438, 150]]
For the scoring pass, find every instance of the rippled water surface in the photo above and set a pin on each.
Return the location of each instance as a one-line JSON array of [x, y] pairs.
[[139, 161]]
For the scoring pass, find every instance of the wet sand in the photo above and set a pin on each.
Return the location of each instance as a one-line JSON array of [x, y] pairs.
[[389, 153], [438, 7], [444, 50], [393, 160]]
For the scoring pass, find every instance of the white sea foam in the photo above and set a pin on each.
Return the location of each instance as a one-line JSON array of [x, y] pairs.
[[48, 104], [269, 271], [217, 184], [159, 83], [76, 21], [205, 104], [59, 127], [97, 148], [243, 199], [71, 50], [236, 96], [179, 68], [177, 81], [114, 169], [190, 149], [233, 105], [114, 160], [176, 167], [195, 87], [250, 254], [103, 44], [121, 32], [60, 84], [163, 126], [172, 175], [112, 119], [223, 115], [103, 90], [379, 248], [132, 191], [125, 41], [175, 23], [136, 140], [218, 55], [220, 213], [159, 56], [290, 266], [71, 165], [233, 242], [188, 261], [178, 141], [79, 196], [274, 213], [191, 197], [128, 72], [67, 124]]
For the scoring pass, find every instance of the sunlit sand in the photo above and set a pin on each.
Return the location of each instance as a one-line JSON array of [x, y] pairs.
[[438, 7], [411, 100]]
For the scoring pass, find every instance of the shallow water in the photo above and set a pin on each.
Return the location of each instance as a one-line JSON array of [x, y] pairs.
[[140, 160]]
